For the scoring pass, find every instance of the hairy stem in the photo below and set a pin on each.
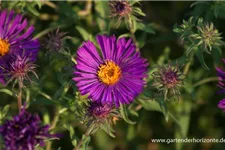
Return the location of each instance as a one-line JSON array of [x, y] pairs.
[[53, 125], [19, 98], [134, 39], [85, 135], [188, 65]]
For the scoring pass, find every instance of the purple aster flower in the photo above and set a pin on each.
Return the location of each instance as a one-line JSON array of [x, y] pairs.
[[24, 132], [18, 67], [15, 38], [116, 76]]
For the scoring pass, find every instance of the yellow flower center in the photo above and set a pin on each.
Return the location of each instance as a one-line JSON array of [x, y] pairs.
[[109, 73], [4, 47]]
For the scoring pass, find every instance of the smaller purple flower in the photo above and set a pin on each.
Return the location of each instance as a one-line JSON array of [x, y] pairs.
[[18, 67], [24, 132]]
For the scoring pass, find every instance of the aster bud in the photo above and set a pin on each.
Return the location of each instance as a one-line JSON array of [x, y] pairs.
[[208, 36], [123, 9], [168, 79], [100, 116], [55, 41]]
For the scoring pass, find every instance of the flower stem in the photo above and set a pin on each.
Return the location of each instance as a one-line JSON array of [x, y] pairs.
[[53, 125], [19, 98], [85, 135], [187, 66], [134, 39]]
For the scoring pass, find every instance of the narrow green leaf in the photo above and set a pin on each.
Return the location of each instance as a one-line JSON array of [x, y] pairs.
[[102, 10], [6, 91], [155, 105], [199, 54], [124, 114], [72, 134], [86, 36], [33, 10], [86, 141]]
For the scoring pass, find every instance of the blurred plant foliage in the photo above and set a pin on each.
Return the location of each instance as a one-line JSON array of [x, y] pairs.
[[55, 97], [24, 6], [200, 37]]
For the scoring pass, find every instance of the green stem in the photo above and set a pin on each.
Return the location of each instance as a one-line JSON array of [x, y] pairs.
[[85, 135], [19, 98], [53, 125], [134, 39], [188, 65], [211, 79]]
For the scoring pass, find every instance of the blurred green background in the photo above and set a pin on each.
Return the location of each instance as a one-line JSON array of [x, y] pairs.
[[198, 116]]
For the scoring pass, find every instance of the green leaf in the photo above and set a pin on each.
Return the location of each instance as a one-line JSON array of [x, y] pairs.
[[86, 36], [200, 57], [72, 134], [125, 35], [108, 129], [124, 114], [183, 112], [216, 54], [131, 132], [102, 10], [61, 91], [138, 11], [155, 105], [86, 141], [134, 2], [189, 88], [38, 3], [33, 10], [3, 113], [149, 28], [6, 91]]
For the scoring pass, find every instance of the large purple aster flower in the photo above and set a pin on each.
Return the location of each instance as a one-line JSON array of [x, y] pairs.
[[115, 76], [15, 38], [24, 132]]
